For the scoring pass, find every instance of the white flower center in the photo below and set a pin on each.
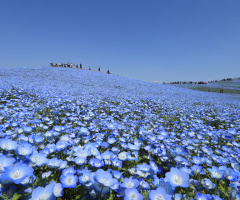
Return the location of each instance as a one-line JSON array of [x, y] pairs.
[[42, 197], [69, 180], [85, 178], [216, 174], [130, 184], [133, 196], [177, 179], [159, 197], [16, 174], [1, 167]]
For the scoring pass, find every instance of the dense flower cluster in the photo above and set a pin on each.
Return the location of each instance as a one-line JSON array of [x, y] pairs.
[[154, 144]]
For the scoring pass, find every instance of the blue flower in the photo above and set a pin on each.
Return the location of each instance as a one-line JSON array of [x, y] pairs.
[[202, 196], [57, 188], [155, 168], [177, 178], [69, 170], [17, 173], [132, 194], [7, 144], [130, 183], [123, 156], [84, 178], [104, 178], [143, 167], [117, 174], [43, 193], [107, 155], [216, 173], [5, 162], [54, 163], [46, 174], [80, 160], [197, 169], [116, 162], [144, 184], [103, 181], [159, 193], [24, 149], [95, 162], [38, 158], [69, 180], [207, 183]]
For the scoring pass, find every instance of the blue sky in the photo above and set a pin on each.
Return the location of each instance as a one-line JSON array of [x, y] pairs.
[[155, 40]]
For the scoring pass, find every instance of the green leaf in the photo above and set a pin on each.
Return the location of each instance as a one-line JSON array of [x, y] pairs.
[[16, 196]]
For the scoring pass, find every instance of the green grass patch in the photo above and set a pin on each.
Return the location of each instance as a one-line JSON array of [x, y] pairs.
[[216, 90]]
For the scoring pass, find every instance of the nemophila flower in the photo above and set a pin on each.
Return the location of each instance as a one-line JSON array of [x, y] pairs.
[[80, 160], [178, 196], [159, 193], [230, 173], [95, 162], [102, 181], [111, 140], [94, 151], [216, 173], [85, 170], [202, 196], [215, 197], [82, 153], [5, 162], [28, 180], [197, 169], [207, 183], [107, 155], [144, 167], [132, 194], [38, 158], [166, 186], [17, 173], [7, 144], [54, 163], [178, 150], [123, 156], [60, 145], [24, 148], [142, 173], [197, 160], [144, 184], [130, 182], [38, 138], [57, 188], [104, 178], [84, 178], [27, 129], [177, 178], [133, 147], [235, 166], [105, 145], [155, 168], [46, 174], [69, 180], [116, 162], [63, 165], [117, 174], [69, 170], [43, 193], [52, 147]]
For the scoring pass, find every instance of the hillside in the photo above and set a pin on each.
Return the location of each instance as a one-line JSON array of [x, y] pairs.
[[78, 134]]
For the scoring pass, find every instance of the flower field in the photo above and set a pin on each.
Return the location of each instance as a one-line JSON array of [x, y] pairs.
[[74, 134]]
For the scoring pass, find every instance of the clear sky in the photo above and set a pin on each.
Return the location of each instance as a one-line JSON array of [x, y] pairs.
[[152, 40]]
